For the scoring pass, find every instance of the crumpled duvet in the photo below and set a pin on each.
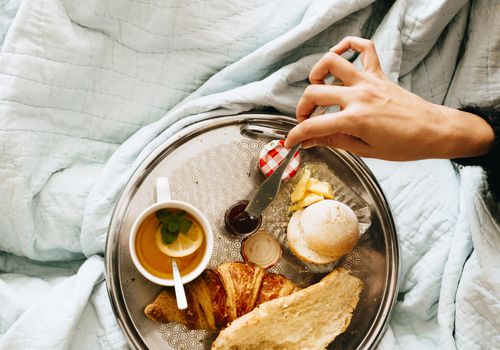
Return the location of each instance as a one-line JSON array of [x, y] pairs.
[[89, 88]]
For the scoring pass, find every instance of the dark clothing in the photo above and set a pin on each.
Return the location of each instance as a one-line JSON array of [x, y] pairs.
[[490, 161]]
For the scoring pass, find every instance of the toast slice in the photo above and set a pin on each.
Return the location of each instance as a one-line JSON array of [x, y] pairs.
[[306, 320]]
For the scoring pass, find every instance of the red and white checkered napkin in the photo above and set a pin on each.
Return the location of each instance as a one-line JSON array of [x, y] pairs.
[[273, 154]]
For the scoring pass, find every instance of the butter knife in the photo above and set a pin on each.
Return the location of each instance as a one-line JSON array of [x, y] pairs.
[[269, 188]]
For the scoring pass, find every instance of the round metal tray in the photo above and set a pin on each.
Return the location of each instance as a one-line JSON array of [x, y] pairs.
[[212, 164]]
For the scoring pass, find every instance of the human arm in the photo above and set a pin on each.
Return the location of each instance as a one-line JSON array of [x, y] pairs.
[[491, 160], [378, 118]]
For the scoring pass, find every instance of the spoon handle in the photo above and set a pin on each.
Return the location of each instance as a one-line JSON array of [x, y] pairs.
[[180, 294]]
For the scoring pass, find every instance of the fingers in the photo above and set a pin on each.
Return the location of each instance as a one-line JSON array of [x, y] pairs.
[[323, 125], [334, 64], [339, 67], [343, 141], [366, 47], [321, 95]]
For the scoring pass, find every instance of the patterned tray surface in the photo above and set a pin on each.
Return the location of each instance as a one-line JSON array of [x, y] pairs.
[[212, 170]]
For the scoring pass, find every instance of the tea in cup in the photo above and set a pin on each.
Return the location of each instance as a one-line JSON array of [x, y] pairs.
[[170, 229]]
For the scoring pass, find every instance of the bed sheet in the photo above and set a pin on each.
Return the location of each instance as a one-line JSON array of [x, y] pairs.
[[89, 88]]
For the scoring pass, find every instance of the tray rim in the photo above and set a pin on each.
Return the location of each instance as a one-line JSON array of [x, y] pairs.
[[388, 300]]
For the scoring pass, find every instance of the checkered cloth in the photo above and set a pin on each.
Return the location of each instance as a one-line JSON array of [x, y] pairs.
[[273, 154]]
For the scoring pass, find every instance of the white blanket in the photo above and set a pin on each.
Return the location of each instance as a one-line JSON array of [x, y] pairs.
[[90, 88]]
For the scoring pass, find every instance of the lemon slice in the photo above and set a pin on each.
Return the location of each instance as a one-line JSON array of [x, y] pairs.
[[185, 244]]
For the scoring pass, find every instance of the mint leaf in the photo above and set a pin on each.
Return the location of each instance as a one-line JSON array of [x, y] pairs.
[[164, 215], [176, 219], [167, 236], [173, 226], [172, 222], [185, 225]]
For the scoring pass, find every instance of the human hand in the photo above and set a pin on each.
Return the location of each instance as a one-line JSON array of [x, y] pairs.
[[377, 117]]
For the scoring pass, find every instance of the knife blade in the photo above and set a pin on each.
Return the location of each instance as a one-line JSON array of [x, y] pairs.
[[269, 188]]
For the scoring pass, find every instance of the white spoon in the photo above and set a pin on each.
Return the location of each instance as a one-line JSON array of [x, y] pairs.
[[180, 294]]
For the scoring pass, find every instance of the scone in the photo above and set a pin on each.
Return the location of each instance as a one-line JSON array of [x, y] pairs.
[[323, 232]]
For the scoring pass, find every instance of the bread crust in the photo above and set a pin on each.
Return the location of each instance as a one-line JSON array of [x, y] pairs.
[[274, 286], [309, 247], [220, 296], [308, 319], [298, 246], [242, 283]]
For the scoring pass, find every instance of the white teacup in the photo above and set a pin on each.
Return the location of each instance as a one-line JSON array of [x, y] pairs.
[[164, 201]]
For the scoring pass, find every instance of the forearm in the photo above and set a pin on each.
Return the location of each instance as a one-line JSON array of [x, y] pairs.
[[489, 160], [463, 134]]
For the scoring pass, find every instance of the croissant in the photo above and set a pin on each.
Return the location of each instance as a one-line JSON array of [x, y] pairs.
[[220, 296]]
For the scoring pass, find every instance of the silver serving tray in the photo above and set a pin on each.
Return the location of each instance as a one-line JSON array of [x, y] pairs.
[[212, 164]]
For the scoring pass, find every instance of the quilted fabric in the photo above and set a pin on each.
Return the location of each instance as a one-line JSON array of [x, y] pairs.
[[89, 88]]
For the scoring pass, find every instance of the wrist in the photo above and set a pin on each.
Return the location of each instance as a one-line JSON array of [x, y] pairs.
[[466, 134]]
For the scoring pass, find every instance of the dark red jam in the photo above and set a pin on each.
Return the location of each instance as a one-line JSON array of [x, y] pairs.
[[239, 222]]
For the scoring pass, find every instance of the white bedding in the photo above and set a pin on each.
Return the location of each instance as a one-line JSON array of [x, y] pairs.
[[89, 88]]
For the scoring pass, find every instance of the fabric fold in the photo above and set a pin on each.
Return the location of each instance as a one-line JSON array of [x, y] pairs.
[[88, 90]]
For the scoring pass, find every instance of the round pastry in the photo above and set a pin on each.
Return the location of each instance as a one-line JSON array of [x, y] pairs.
[[323, 232]]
